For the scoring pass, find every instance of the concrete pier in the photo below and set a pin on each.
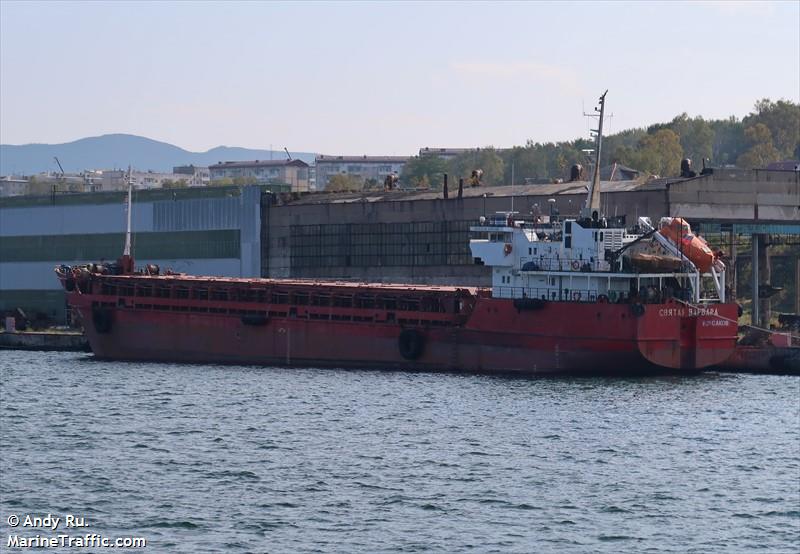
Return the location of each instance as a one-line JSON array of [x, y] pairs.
[[65, 342]]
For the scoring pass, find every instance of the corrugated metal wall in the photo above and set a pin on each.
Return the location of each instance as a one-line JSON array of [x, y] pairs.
[[72, 220], [214, 231], [412, 244], [197, 214]]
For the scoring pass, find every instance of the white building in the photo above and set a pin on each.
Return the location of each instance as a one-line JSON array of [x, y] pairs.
[[13, 186], [444, 153], [365, 168], [195, 176], [293, 173], [117, 179]]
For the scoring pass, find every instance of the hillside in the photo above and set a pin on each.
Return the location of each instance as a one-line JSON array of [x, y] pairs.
[[119, 151]]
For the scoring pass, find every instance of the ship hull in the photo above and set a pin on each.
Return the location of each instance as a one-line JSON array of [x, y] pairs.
[[497, 337]]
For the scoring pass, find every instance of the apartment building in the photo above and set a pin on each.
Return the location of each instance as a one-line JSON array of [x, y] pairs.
[[366, 168]]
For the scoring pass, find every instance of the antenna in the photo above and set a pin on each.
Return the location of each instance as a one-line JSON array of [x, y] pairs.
[[287, 153], [512, 187]]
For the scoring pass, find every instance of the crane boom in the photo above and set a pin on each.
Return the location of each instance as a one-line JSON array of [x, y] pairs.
[[59, 165]]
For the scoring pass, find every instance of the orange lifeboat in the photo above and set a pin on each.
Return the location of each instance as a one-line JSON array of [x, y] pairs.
[[693, 247]]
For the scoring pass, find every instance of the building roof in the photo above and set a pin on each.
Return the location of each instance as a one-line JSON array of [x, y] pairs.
[[444, 151], [258, 163], [618, 172], [577, 188], [362, 159], [786, 165], [452, 152]]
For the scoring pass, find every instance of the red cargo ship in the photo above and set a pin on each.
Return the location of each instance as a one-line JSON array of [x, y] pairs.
[[568, 296]]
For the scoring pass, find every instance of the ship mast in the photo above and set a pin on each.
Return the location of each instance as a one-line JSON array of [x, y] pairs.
[[592, 208], [127, 251], [126, 261]]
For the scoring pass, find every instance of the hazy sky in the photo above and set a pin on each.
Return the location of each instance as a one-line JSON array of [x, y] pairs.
[[382, 77]]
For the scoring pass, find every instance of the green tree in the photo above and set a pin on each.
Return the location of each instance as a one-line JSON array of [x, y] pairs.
[[728, 142], [659, 154], [486, 159], [223, 182], [170, 184], [614, 146], [342, 182], [761, 151], [424, 171], [41, 185], [539, 161], [782, 118], [373, 184], [241, 181], [696, 137]]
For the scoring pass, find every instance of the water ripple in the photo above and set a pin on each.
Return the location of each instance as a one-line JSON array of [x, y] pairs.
[[233, 459]]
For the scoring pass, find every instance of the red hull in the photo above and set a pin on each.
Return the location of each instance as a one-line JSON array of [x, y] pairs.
[[480, 334]]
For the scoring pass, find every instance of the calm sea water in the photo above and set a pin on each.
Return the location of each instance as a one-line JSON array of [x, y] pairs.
[[233, 459]]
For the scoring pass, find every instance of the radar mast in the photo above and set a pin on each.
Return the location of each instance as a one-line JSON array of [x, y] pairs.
[[592, 208]]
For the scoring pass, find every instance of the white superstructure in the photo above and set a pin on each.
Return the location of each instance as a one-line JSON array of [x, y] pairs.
[[585, 261]]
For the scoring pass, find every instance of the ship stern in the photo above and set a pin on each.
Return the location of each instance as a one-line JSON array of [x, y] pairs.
[[681, 336]]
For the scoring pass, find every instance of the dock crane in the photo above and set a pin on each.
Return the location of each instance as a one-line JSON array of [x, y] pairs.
[[59, 166]]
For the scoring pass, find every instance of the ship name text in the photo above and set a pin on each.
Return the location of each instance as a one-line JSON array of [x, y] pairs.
[[690, 312]]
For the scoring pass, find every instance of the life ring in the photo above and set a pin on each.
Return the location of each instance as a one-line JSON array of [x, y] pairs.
[[576, 265], [411, 344], [576, 296], [507, 249]]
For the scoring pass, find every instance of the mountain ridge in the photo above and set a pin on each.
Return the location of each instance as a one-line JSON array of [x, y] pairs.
[[118, 150]]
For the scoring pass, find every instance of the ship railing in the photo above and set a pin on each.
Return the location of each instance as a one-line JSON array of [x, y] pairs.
[[533, 263], [648, 295], [564, 295]]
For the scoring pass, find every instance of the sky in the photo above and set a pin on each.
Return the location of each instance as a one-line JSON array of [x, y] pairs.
[[382, 77]]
